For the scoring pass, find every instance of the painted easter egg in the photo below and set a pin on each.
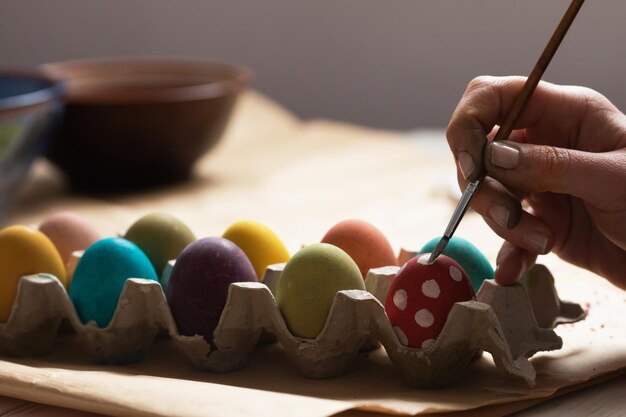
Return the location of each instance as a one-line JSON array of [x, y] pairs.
[[474, 263], [69, 232], [164, 279], [365, 244], [308, 286], [199, 281], [161, 237], [24, 251], [421, 296], [100, 275], [259, 243]]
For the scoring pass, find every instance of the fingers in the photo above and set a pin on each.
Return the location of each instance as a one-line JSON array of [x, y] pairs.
[[597, 178], [530, 233], [477, 113], [495, 202], [486, 102], [469, 125], [503, 212], [512, 263]]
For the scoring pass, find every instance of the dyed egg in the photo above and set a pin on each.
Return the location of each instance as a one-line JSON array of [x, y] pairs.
[[259, 243], [199, 281], [69, 232], [474, 263], [70, 266], [161, 237], [421, 296], [365, 244], [308, 286], [24, 251], [164, 279], [100, 276]]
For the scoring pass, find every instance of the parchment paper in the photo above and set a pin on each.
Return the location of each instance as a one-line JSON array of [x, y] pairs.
[[300, 178]]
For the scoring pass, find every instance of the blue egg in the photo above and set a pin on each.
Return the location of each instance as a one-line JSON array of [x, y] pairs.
[[100, 276], [473, 262]]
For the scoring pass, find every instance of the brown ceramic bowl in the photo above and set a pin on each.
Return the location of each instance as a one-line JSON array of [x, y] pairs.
[[133, 122]]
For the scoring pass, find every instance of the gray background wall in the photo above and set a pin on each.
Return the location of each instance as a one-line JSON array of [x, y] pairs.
[[387, 63]]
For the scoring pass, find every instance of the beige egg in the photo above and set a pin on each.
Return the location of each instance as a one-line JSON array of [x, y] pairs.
[[69, 232]]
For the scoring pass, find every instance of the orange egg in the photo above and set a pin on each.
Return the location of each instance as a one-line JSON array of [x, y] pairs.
[[365, 244]]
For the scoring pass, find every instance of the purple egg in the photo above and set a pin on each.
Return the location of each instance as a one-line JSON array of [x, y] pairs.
[[199, 284]]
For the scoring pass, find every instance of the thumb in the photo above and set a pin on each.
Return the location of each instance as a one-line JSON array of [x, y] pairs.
[[541, 168]]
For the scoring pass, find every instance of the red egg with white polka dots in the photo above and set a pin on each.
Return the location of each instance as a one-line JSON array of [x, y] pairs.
[[421, 296]]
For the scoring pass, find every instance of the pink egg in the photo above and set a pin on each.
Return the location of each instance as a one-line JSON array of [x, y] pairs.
[[421, 296], [69, 232]]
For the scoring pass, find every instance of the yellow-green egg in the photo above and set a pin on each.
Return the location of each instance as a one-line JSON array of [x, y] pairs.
[[161, 237], [308, 286], [259, 243], [24, 251]]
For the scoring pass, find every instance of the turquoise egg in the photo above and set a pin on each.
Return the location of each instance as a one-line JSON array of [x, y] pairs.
[[100, 276], [472, 260]]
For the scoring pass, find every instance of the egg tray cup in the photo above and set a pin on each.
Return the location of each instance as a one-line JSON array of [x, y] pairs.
[[504, 322]]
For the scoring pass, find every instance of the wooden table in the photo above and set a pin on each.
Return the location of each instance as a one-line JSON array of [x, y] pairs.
[[603, 399], [300, 178]]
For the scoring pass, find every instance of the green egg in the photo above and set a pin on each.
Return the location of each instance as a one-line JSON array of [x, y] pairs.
[[161, 237], [308, 286], [472, 260]]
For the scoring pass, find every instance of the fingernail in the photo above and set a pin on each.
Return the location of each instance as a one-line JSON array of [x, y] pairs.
[[504, 156], [537, 241], [466, 164], [499, 214]]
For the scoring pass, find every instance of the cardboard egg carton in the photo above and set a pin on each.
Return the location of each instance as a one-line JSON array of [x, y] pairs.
[[503, 321]]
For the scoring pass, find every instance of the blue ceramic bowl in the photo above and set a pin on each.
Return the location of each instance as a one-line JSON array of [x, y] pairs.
[[30, 106]]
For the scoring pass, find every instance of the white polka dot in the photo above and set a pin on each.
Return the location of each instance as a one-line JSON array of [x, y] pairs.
[[424, 318], [423, 260], [401, 336], [431, 289], [400, 299], [455, 273], [428, 343]]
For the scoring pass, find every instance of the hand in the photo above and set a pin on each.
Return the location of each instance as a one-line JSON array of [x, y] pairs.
[[558, 184]]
